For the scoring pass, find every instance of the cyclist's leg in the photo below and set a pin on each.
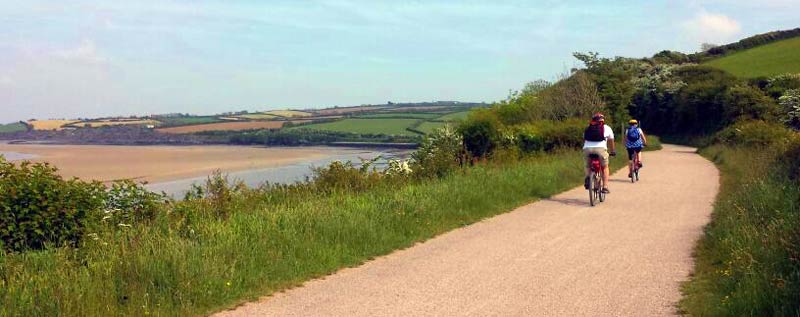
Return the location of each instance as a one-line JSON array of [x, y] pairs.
[[586, 167], [639, 156], [604, 163]]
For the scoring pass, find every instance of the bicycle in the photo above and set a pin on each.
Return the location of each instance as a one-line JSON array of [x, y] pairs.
[[595, 180], [635, 170], [634, 175]]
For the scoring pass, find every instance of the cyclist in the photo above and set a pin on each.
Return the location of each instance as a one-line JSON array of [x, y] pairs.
[[596, 140], [634, 142]]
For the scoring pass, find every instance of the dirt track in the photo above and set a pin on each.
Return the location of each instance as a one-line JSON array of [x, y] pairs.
[[558, 257]]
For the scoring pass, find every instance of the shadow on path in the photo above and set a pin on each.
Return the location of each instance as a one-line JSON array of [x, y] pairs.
[[570, 201]]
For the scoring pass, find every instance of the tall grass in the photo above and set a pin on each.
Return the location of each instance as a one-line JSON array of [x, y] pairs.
[[748, 262], [190, 261]]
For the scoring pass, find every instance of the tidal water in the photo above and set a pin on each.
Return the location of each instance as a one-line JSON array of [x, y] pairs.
[[14, 156], [288, 174]]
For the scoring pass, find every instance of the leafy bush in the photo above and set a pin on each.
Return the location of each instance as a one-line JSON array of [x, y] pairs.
[[549, 135], [38, 208], [438, 154], [790, 104], [217, 193], [778, 86], [748, 103], [670, 57], [480, 132], [127, 202], [755, 133], [346, 177]]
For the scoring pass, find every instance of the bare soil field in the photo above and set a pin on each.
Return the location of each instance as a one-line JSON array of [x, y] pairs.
[[225, 126], [163, 163]]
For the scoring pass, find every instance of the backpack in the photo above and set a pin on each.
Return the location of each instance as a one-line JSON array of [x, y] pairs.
[[594, 132], [633, 134]]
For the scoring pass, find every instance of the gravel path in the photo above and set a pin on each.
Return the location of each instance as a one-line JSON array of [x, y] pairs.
[[557, 257]]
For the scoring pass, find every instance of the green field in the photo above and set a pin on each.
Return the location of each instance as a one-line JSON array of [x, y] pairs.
[[455, 116], [401, 115], [258, 116], [12, 127], [429, 126], [768, 60], [365, 126], [181, 121]]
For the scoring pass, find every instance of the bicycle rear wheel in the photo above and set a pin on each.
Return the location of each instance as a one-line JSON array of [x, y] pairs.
[[600, 194], [598, 187], [591, 190], [636, 174]]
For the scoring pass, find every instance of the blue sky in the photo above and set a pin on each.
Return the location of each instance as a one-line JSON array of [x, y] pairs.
[[70, 59]]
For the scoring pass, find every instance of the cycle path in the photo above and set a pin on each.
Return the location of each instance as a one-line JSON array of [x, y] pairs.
[[555, 257]]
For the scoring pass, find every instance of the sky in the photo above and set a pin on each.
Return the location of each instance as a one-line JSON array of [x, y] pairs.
[[70, 59]]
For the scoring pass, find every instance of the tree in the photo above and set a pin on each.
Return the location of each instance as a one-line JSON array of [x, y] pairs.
[[744, 102], [613, 78], [705, 47]]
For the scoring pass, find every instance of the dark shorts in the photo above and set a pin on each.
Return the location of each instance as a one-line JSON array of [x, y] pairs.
[[633, 150]]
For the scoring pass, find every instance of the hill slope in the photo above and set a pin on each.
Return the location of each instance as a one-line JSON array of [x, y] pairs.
[[767, 60]]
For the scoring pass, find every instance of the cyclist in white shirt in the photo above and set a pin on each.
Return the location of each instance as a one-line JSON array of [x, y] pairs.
[[596, 140]]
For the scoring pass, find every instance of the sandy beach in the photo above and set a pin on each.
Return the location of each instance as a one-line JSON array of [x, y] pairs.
[[165, 163]]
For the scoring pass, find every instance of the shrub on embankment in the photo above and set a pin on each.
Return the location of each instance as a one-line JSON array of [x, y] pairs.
[[748, 262], [39, 209]]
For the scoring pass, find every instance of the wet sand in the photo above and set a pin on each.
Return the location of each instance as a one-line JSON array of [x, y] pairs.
[[165, 163]]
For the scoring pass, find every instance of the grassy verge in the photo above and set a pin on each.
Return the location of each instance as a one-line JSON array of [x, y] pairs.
[[270, 241], [748, 262]]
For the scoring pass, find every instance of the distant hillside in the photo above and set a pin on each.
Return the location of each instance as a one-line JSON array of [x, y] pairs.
[[746, 43], [765, 60]]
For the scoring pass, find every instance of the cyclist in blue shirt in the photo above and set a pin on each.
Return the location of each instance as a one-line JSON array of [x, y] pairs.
[[635, 140]]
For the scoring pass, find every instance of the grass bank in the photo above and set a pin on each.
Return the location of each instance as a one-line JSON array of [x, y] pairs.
[[189, 261], [771, 59], [748, 262]]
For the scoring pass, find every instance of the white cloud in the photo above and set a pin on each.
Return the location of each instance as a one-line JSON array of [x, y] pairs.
[[714, 28], [85, 52]]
